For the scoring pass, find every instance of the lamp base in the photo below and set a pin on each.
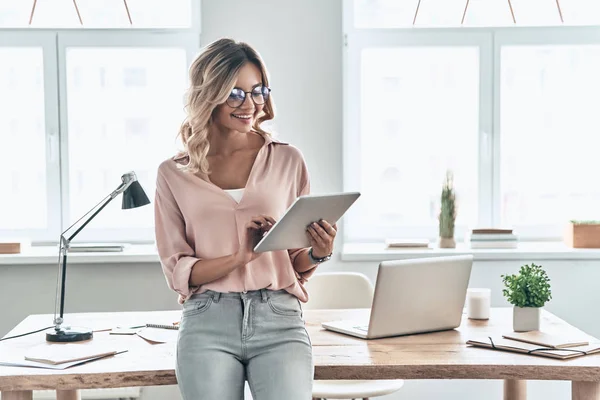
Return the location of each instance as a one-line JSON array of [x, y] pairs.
[[69, 334]]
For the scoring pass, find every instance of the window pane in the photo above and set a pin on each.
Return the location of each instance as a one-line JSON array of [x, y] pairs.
[[14, 13], [434, 13], [536, 12], [22, 139], [161, 13], [384, 13], [97, 13], [485, 13], [419, 116], [580, 12], [445, 13], [549, 122], [125, 106], [53, 14]]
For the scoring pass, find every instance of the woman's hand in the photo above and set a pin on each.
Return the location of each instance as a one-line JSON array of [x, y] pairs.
[[321, 236], [253, 232]]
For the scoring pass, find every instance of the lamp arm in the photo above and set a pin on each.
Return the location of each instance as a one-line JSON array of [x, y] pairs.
[[122, 187], [59, 304], [64, 233]]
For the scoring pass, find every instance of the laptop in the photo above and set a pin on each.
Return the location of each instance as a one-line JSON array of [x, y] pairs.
[[413, 296]]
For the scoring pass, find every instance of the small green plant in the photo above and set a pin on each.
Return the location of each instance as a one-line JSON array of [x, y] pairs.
[[448, 207], [529, 288], [585, 222]]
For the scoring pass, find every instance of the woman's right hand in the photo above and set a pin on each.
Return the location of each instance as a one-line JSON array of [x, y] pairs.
[[253, 232]]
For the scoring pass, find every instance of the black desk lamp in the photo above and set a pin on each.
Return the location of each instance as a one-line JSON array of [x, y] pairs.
[[133, 196]]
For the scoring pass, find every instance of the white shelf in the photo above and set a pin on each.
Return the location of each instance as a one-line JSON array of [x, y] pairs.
[[535, 251], [49, 255]]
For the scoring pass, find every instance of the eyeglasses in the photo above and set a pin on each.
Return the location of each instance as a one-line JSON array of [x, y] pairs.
[[259, 95]]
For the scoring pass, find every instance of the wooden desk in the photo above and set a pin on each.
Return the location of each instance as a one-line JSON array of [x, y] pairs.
[[441, 355]]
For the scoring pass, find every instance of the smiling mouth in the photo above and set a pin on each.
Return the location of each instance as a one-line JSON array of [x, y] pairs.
[[244, 117]]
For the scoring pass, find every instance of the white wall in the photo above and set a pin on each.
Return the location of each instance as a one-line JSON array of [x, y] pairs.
[[301, 42]]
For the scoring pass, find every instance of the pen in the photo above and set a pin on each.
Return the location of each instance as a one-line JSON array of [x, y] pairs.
[[131, 327]]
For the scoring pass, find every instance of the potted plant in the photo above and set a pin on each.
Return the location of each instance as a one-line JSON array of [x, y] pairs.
[[447, 213], [528, 291], [583, 234]]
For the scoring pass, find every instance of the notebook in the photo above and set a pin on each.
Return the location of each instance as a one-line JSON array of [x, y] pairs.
[[18, 361], [545, 339], [162, 326], [492, 230], [158, 335], [68, 352], [95, 247], [123, 331], [407, 243], [501, 344], [132, 330]]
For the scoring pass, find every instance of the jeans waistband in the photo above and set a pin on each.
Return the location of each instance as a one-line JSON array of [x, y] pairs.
[[262, 294]]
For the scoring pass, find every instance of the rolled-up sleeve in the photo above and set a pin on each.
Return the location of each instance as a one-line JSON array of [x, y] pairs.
[[176, 255]]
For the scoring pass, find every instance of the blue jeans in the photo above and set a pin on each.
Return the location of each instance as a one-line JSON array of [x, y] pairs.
[[259, 336]]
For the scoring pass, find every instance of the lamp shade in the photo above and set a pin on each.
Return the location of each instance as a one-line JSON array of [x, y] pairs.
[[134, 196]]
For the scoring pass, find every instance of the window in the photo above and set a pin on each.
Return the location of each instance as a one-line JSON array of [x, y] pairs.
[[116, 107], [509, 110], [549, 130], [135, 116], [404, 150]]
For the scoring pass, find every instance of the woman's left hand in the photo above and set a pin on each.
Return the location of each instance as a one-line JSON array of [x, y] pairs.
[[321, 236]]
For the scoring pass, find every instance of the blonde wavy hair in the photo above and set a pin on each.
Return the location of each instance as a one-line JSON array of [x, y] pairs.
[[212, 77]]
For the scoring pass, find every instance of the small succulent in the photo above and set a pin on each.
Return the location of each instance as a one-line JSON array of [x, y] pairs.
[[448, 207]]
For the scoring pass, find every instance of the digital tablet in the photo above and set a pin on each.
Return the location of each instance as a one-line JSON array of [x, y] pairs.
[[290, 231]]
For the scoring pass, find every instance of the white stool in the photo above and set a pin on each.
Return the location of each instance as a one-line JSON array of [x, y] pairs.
[[354, 389]]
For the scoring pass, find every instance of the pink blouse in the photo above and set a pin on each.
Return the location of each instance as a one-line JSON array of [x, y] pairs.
[[197, 220]]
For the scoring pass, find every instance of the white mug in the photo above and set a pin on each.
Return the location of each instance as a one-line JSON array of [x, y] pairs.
[[478, 303]]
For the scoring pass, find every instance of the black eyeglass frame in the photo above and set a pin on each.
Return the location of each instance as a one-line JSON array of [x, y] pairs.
[[251, 97]]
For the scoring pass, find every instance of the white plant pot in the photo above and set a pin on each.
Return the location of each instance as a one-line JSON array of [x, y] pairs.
[[447, 243], [526, 319]]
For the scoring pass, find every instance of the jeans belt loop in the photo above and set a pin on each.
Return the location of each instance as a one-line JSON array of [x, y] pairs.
[[264, 295], [216, 296]]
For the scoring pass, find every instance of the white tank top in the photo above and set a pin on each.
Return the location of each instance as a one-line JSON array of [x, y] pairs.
[[236, 193]]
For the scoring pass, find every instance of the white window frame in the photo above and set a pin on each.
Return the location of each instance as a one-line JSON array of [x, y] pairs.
[[54, 43], [490, 42], [47, 43]]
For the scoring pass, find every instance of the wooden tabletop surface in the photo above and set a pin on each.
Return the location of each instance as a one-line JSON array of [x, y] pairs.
[[439, 355]]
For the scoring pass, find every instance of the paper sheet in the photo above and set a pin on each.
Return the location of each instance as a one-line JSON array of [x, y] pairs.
[[158, 335]]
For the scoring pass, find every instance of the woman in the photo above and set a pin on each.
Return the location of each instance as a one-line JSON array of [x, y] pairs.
[[242, 315]]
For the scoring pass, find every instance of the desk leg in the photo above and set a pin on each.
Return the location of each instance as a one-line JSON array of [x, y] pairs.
[[585, 390], [68, 395], [515, 390], [17, 395]]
